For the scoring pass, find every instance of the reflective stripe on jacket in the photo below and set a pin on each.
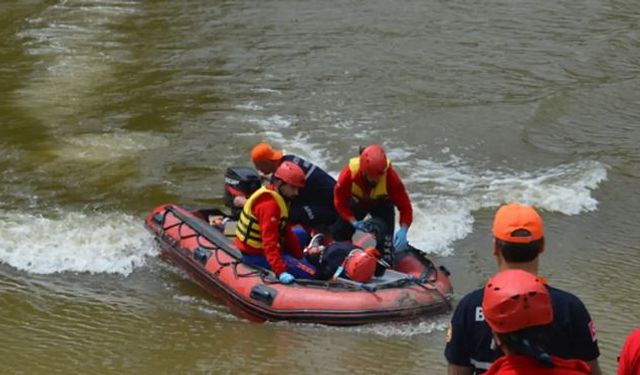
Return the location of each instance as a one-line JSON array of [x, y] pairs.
[[248, 228]]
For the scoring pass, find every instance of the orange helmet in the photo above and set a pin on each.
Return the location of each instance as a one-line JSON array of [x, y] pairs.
[[290, 173], [373, 161], [264, 152], [360, 265], [515, 217], [515, 300]]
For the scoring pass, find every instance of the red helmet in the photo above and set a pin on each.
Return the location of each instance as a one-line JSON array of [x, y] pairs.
[[290, 173], [360, 265], [373, 161], [515, 300]]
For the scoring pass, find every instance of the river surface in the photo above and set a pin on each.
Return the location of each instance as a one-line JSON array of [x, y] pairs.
[[110, 108]]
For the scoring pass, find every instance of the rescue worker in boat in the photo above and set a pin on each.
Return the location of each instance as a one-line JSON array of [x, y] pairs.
[[263, 233], [517, 306], [370, 185], [313, 207], [518, 233]]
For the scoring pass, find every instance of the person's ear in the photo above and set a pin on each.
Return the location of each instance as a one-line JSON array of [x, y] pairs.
[[496, 340], [496, 249]]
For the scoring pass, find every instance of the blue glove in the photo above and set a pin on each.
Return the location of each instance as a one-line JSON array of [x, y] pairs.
[[361, 225], [286, 278], [400, 239]]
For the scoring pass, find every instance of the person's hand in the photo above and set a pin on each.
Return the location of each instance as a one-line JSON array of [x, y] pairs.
[[314, 250], [286, 278], [239, 201], [264, 176], [360, 225], [400, 239]]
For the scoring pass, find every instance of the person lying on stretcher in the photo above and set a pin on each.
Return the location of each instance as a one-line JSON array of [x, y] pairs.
[[343, 259]]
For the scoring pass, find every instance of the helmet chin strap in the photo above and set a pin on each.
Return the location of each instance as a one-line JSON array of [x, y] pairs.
[[370, 183], [279, 184]]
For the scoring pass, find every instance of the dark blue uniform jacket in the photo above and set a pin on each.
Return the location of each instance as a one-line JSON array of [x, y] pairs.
[[470, 343], [314, 204]]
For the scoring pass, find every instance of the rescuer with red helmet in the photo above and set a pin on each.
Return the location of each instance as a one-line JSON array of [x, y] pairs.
[[517, 306], [263, 232], [518, 241], [370, 185]]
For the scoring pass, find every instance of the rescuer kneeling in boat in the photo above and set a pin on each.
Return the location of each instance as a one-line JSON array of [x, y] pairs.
[[370, 185], [263, 233]]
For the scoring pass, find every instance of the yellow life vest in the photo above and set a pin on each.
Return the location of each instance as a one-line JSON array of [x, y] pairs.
[[378, 192], [248, 228]]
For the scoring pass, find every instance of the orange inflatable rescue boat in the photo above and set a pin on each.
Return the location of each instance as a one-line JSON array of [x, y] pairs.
[[414, 288]]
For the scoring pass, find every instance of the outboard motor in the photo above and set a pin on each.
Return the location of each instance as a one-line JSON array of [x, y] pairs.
[[239, 181]]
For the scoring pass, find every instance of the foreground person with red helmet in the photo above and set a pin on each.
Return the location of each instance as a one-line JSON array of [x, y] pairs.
[[263, 233], [629, 360], [370, 185], [518, 233], [517, 307]]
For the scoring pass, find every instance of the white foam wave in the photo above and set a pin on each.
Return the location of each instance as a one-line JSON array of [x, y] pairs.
[[389, 329], [402, 329], [302, 146], [251, 106], [450, 192], [74, 242], [438, 223], [266, 91], [272, 123]]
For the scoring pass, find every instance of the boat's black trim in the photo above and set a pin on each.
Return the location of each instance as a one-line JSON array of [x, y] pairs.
[[207, 232], [263, 293]]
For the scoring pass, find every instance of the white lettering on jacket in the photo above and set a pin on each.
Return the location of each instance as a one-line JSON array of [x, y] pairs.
[[479, 314]]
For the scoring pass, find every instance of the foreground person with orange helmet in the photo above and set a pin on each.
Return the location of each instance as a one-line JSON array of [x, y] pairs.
[[518, 233], [517, 307], [370, 185], [263, 233], [629, 360]]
